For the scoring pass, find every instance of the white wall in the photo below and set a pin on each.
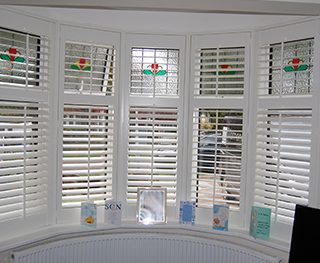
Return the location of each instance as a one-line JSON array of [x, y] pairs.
[[160, 22]]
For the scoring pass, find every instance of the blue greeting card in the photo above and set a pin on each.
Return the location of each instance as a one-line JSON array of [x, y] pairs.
[[187, 212], [220, 217], [88, 214]]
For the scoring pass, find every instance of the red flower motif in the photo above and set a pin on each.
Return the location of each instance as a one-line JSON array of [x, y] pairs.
[[82, 63], [225, 66], [295, 62], [12, 53], [154, 68]]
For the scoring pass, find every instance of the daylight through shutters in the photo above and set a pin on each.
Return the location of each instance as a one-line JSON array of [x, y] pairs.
[[152, 150]]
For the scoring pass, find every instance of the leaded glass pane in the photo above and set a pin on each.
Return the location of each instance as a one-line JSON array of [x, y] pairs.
[[154, 72], [89, 69]]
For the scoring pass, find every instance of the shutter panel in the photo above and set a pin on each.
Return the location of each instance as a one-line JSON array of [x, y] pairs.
[[219, 71], [283, 160], [152, 150], [154, 72], [87, 154], [23, 60], [286, 68], [89, 69], [216, 156], [23, 159]]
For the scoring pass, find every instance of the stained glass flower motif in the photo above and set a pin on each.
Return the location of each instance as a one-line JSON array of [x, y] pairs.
[[12, 55], [295, 64], [81, 64], [155, 69], [225, 69]]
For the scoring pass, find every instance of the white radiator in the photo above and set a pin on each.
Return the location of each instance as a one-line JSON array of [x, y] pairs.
[[140, 248]]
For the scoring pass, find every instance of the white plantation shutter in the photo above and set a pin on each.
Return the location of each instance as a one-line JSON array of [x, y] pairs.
[[286, 68], [152, 150], [23, 60], [23, 159], [89, 69], [219, 71], [216, 157], [283, 160], [87, 154]]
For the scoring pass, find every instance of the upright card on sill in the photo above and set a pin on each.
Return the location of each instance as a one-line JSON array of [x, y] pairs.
[[187, 213], [112, 212], [260, 222], [88, 214], [220, 217]]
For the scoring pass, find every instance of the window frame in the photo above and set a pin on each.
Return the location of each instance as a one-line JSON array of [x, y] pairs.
[[38, 27], [237, 218], [95, 37], [291, 33], [127, 100]]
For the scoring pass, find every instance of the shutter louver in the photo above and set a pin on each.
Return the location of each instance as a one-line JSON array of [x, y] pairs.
[[219, 71], [23, 159], [152, 150], [216, 157], [286, 68], [87, 154], [283, 160], [154, 72], [23, 60], [89, 69]]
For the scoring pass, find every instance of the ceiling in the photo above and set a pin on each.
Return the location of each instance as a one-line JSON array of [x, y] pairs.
[[285, 7]]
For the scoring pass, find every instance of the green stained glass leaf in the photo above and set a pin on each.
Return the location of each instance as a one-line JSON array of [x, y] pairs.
[[87, 68], [148, 72], [288, 69], [74, 66], [4, 57], [161, 72], [292, 69], [227, 72], [303, 67], [19, 59]]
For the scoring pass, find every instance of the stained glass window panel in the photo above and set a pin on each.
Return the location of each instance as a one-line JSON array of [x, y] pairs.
[[23, 60], [219, 72], [154, 72], [89, 69], [286, 68]]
